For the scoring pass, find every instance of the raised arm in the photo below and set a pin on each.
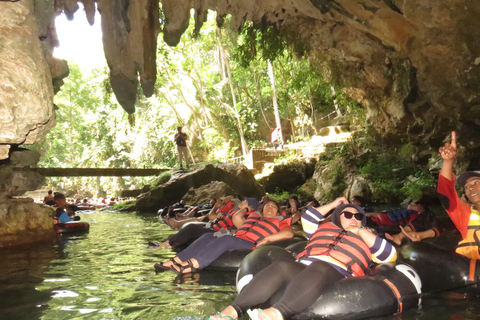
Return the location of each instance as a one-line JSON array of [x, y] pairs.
[[448, 153], [314, 216]]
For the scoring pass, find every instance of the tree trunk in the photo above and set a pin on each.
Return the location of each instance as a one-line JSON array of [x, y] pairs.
[[274, 97], [226, 63], [339, 114]]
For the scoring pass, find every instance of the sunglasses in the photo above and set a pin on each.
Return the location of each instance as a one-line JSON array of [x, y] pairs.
[[350, 215]]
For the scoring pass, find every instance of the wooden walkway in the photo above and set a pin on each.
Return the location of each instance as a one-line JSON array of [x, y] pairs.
[[97, 172]]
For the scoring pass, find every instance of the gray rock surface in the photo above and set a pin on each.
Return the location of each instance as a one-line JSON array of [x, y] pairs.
[[203, 195], [236, 176]]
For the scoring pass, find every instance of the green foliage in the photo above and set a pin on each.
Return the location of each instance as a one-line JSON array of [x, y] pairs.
[[267, 42], [130, 204], [202, 84], [161, 179], [280, 196], [417, 184]]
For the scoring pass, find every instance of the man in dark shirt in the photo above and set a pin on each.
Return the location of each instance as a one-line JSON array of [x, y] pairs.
[[181, 141]]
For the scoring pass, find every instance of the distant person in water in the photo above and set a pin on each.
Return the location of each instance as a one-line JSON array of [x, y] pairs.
[[48, 200], [181, 141], [61, 215]]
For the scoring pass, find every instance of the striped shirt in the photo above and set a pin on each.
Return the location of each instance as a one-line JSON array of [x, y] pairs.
[[382, 251]]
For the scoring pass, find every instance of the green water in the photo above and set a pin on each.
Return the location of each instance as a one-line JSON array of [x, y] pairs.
[[108, 274]]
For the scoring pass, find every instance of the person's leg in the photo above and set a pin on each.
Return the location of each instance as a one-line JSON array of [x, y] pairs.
[[188, 233], [305, 288], [180, 155], [185, 155], [196, 247], [216, 248], [264, 285], [211, 248]]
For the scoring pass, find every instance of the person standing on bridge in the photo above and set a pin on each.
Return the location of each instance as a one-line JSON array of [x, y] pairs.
[[181, 141], [276, 138]]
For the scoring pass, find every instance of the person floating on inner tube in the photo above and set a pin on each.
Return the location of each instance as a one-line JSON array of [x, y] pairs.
[[465, 216], [223, 206], [256, 230], [336, 250], [62, 216], [194, 231]]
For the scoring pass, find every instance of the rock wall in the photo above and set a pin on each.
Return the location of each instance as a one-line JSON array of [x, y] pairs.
[[26, 90], [236, 176], [24, 221]]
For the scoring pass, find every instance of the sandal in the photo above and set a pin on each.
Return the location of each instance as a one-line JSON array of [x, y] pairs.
[[181, 269], [153, 244], [221, 317], [160, 266], [257, 314]]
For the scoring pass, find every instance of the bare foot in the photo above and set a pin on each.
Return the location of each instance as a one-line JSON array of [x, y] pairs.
[[225, 314]]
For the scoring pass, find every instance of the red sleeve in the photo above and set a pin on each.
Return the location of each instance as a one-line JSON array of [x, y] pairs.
[[458, 211], [285, 223]]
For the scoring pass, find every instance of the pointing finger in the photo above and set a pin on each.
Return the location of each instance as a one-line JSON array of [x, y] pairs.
[[454, 140]]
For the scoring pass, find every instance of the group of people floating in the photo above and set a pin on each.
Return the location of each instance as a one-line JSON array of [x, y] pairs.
[[66, 208], [344, 238]]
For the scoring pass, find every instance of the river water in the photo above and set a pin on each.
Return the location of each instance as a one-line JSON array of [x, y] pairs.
[[108, 274]]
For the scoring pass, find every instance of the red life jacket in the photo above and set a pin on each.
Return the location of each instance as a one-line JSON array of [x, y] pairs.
[[225, 223], [346, 247], [256, 227]]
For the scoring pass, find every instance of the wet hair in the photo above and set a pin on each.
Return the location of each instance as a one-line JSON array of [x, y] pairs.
[[50, 191]]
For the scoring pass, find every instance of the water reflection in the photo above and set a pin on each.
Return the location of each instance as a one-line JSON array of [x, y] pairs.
[[108, 274]]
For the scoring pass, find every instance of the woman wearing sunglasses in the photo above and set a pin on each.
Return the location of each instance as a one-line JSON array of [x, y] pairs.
[[336, 250]]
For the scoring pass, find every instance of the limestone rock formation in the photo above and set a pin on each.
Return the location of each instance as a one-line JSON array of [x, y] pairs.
[[26, 91], [237, 176], [414, 65], [24, 221], [202, 195], [15, 175], [287, 177]]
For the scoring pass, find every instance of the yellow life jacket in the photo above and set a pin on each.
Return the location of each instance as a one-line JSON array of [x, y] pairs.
[[470, 245]]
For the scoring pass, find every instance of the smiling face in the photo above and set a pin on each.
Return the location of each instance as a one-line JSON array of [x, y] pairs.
[[270, 209], [472, 190], [349, 223]]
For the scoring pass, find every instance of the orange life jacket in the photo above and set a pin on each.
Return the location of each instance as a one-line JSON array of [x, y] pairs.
[[470, 245], [255, 228], [344, 246]]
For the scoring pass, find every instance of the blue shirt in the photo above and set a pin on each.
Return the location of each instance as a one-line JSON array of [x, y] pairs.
[[64, 217]]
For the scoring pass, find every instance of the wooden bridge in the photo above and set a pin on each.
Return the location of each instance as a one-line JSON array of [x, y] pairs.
[[98, 172]]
